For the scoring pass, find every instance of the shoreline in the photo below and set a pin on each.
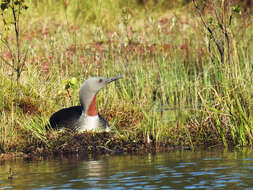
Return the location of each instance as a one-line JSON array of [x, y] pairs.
[[72, 143]]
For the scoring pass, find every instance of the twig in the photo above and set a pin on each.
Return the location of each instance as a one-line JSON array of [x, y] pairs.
[[5, 42], [224, 28], [210, 31], [6, 62], [16, 26], [217, 16], [24, 60], [106, 148]]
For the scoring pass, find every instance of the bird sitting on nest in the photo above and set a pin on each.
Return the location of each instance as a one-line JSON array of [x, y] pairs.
[[84, 117]]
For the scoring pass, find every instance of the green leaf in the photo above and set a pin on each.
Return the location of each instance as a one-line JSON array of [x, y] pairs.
[[5, 4], [237, 9]]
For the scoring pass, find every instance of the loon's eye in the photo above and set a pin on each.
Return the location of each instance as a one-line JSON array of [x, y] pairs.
[[100, 80]]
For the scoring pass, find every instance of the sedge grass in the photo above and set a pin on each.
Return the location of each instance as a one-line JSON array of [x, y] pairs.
[[174, 90]]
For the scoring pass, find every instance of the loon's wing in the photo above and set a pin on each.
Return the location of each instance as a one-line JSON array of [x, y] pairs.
[[66, 118]]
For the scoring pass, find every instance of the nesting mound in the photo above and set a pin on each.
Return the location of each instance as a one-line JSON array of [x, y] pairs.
[[69, 142]]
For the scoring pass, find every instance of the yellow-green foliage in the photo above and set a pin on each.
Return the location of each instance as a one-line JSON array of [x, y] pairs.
[[175, 89]]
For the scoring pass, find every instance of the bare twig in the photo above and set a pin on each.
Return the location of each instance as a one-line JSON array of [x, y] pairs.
[[6, 62], [220, 49], [217, 16], [106, 148], [24, 60], [223, 28], [5, 42]]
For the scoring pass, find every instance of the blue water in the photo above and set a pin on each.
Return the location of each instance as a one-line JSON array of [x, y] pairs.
[[175, 170]]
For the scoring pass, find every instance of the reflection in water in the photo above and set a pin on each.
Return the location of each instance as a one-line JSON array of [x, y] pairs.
[[174, 170]]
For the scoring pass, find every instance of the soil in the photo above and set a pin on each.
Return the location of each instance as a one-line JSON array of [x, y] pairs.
[[69, 142]]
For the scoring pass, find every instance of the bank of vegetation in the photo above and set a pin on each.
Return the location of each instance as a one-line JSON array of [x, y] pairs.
[[187, 70]]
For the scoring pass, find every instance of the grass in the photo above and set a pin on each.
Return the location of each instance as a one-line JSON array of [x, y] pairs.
[[175, 90]]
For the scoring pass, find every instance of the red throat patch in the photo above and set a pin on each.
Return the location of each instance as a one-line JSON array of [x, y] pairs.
[[92, 111]]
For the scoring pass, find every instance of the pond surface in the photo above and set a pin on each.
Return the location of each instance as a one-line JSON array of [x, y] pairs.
[[211, 169]]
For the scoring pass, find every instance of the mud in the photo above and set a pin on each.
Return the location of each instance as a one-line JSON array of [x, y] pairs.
[[69, 142]]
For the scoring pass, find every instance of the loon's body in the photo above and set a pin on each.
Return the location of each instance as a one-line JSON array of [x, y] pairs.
[[84, 117]]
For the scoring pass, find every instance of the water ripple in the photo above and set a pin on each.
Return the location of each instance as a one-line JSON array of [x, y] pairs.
[[180, 170]]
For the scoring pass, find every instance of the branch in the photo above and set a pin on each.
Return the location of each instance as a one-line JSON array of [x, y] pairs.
[[23, 61], [209, 30], [217, 16], [5, 42], [223, 27], [16, 26], [105, 148], [6, 62]]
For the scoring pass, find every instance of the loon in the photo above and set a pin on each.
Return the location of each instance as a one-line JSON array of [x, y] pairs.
[[84, 117]]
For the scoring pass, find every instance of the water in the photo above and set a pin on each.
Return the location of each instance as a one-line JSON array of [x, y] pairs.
[[174, 170]]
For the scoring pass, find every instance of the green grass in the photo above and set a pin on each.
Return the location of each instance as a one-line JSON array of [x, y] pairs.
[[174, 91]]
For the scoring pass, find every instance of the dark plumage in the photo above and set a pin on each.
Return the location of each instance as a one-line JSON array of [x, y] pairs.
[[66, 117], [85, 116]]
